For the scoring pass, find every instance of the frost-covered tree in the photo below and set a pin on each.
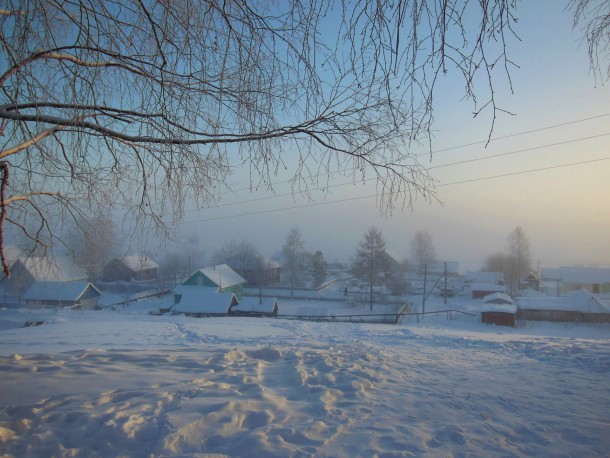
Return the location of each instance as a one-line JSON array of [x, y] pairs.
[[318, 268], [239, 255], [515, 263], [497, 262], [594, 17], [144, 105], [94, 242], [294, 258], [519, 257], [422, 250], [243, 257]]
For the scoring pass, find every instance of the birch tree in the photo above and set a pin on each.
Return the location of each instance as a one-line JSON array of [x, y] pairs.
[[519, 257], [294, 256], [138, 107], [422, 250]]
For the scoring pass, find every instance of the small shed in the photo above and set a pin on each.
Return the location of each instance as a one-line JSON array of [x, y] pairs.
[[254, 306], [82, 295], [199, 302], [498, 309], [499, 314], [219, 276]]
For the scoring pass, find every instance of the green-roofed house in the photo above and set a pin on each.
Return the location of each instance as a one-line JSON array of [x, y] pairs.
[[220, 276]]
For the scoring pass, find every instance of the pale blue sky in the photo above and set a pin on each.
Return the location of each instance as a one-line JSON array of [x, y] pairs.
[[564, 211]]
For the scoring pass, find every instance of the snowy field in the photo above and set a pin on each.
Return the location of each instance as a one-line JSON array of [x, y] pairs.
[[124, 383]]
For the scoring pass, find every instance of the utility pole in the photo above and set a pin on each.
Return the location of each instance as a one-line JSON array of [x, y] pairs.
[[446, 292], [372, 261], [423, 308]]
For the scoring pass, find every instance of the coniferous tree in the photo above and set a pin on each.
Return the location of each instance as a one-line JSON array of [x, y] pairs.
[[371, 262]]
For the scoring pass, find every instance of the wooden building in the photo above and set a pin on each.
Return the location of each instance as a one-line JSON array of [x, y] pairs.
[[219, 276], [131, 268], [79, 295], [498, 309]]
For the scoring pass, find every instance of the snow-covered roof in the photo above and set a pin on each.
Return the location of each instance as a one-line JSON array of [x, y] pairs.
[[254, 304], [497, 298], [201, 299], [222, 276], [578, 301], [58, 291], [503, 308], [57, 269], [139, 262]]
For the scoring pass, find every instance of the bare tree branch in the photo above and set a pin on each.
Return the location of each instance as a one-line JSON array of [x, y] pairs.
[[596, 30], [136, 107]]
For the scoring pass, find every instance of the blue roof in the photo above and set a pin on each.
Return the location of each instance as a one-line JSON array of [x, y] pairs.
[[201, 299], [59, 291]]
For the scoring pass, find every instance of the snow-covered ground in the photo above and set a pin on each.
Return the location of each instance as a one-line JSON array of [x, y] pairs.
[[124, 383]]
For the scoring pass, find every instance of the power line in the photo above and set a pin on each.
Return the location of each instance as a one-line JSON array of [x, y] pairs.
[[467, 161], [523, 172], [480, 142], [525, 150], [349, 199], [540, 129]]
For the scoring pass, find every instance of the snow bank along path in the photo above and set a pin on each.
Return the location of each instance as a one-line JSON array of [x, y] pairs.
[[115, 385]]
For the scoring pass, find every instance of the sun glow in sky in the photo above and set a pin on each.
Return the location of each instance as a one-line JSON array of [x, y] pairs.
[[551, 175]]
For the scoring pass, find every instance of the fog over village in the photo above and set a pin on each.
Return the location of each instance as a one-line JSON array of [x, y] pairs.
[[304, 229]]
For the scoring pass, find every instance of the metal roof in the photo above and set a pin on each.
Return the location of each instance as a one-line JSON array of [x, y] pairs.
[[200, 299], [58, 291], [223, 276]]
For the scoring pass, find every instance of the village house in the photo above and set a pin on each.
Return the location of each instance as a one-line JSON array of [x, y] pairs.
[[562, 280], [207, 301], [219, 276], [11, 254], [481, 283], [131, 268], [202, 301], [578, 306], [80, 295], [530, 281], [27, 271]]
